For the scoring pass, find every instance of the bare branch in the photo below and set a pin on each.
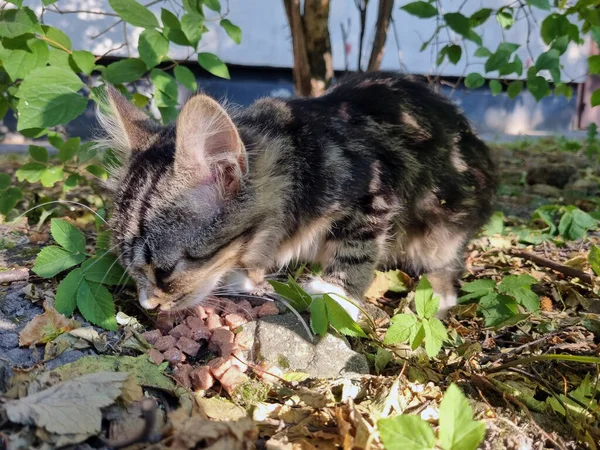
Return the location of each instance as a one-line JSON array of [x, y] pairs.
[[384, 16]]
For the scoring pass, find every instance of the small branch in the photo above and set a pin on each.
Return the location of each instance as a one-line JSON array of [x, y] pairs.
[[384, 16], [18, 274], [361, 5], [565, 270]]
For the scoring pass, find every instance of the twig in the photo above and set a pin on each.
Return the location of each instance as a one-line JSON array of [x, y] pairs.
[[18, 274], [565, 270]]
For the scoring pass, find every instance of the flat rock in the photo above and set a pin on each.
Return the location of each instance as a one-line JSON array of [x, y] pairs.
[[283, 342]]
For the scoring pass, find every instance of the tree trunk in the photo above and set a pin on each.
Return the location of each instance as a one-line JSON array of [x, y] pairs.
[[384, 16], [313, 66]]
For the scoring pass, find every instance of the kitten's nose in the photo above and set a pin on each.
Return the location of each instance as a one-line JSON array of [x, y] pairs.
[[145, 301]]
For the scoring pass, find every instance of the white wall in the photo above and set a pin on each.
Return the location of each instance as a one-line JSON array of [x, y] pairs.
[[266, 38]]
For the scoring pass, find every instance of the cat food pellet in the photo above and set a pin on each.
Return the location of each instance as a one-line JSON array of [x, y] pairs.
[[201, 378], [243, 340], [228, 307], [164, 321], [182, 374], [156, 356], [200, 312], [232, 379], [187, 346], [174, 356], [210, 310], [220, 337], [201, 333], [213, 322], [165, 343], [238, 360], [267, 309], [218, 366], [233, 321], [180, 330], [194, 322], [152, 336], [268, 373]]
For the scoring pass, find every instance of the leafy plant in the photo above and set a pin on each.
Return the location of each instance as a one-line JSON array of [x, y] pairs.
[[324, 310], [499, 303], [457, 430], [423, 326], [564, 24], [85, 286], [569, 222]]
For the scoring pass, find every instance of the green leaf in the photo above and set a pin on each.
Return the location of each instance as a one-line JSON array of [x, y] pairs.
[[38, 153], [167, 89], [482, 52], [501, 56], [66, 294], [134, 13], [497, 308], [474, 80], [454, 53], [318, 317], [72, 182], [340, 320], [420, 9], [52, 260], [481, 286], [69, 149], [505, 18], [495, 87], [67, 236], [97, 171], [5, 181], [49, 97], [458, 430], [83, 60], [594, 259], [20, 57], [15, 22], [31, 172], [563, 89], [213, 4], [186, 77], [233, 31], [153, 47], [514, 88], [125, 71], [214, 65], [480, 17], [406, 433], [51, 175], [417, 336], [425, 302], [595, 98], [574, 223], [458, 23], [538, 86], [192, 26], [169, 19], [550, 60], [594, 64], [401, 329], [9, 199], [554, 26], [292, 291], [104, 269], [435, 335], [96, 304], [560, 44], [57, 38], [541, 4]]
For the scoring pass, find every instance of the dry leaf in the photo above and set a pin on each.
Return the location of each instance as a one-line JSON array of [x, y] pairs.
[[71, 407], [45, 327]]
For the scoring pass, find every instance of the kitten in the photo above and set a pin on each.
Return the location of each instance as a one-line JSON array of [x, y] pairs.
[[379, 172]]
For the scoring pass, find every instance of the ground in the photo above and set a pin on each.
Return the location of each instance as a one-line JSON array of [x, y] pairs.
[[530, 376]]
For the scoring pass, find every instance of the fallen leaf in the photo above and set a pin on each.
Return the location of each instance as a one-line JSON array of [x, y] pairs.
[[392, 280], [45, 327], [219, 408], [71, 407]]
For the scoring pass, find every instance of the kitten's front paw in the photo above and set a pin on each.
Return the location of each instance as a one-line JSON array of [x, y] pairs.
[[317, 287], [447, 302], [261, 289]]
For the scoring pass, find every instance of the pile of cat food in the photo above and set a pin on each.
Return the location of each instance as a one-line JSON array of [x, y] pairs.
[[189, 341]]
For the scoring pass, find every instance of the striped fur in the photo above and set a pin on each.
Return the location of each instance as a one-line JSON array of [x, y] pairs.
[[378, 172]]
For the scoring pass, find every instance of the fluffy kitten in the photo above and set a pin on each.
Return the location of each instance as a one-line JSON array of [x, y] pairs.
[[378, 172]]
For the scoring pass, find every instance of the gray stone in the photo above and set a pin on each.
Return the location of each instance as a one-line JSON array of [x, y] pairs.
[[282, 341], [65, 358], [585, 185], [545, 190]]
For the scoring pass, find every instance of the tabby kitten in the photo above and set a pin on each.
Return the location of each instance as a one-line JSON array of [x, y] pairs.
[[379, 172]]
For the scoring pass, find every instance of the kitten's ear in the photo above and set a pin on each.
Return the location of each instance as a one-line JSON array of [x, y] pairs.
[[129, 128], [208, 146]]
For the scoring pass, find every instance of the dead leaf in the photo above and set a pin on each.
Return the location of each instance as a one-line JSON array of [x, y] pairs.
[[219, 408], [45, 327], [71, 407], [392, 280], [197, 432]]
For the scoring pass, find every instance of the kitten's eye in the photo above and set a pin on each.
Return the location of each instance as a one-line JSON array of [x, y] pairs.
[[161, 275]]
